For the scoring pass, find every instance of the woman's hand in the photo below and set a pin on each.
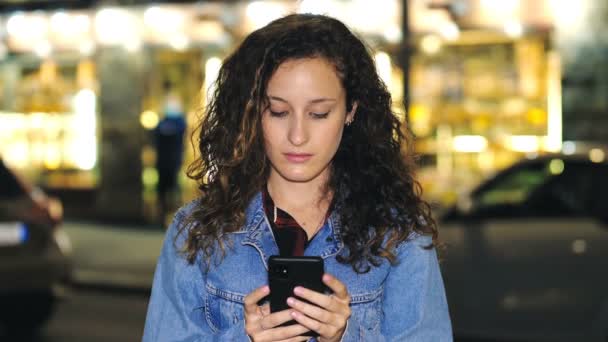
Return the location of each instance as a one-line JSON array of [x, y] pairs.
[[329, 314], [262, 326]]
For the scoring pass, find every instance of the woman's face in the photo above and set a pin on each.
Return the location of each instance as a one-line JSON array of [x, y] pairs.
[[305, 119]]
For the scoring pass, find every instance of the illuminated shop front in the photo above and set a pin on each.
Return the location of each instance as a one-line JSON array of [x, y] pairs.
[[484, 85], [82, 90], [48, 106]]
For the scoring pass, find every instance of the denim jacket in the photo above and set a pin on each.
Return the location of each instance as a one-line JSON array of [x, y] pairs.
[[402, 302]]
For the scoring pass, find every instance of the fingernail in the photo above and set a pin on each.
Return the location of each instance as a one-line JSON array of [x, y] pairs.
[[294, 314], [297, 290], [326, 277], [266, 289], [291, 301]]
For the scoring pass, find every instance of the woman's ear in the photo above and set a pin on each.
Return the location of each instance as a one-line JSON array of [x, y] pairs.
[[350, 116]]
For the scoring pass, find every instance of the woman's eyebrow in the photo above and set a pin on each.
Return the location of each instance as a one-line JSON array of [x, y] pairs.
[[319, 100]]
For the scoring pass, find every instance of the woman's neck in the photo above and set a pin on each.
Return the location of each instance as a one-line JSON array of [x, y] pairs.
[[297, 197]]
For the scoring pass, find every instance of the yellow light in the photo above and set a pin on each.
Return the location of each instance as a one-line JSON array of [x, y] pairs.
[[392, 34], [16, 154], [469, 143], [430, 44], [52, 157], [449, 31], [536, 116], [132, 44], [384, 67], [115, 26], [83, 149], [371, 19], [524, 143], [556, 166], [82, 152], [149, 119], [514, 29], [153, 16], [212, 69], [149, 177], [506, 7], [164, 19], [30, 26], [37, 152], [569, 14], [37, 121], [260, 13], [86, 48], [15, 24], [486, 161], [43, 49], [331, 8], [420, 119], [444, 150], [554, 102], [596, 155], [208, 31], [84, 105], [179, 42], [167, 24], [69, 25], [314, 7]]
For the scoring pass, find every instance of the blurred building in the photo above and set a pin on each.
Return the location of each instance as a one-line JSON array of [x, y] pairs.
[[81, 84]]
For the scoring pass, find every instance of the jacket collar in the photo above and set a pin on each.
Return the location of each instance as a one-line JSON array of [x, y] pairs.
[[260, 237]]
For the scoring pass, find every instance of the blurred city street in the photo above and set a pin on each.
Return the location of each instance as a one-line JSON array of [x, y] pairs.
[[113, 271], [95, 316], [114, 256]]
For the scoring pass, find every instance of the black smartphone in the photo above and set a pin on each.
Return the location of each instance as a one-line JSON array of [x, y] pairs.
[[285, 273]]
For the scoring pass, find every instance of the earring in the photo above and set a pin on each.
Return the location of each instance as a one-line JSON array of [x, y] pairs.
[[349, 122]]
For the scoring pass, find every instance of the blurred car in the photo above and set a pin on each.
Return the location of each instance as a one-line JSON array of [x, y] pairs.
[[527, 252], [35, 264]]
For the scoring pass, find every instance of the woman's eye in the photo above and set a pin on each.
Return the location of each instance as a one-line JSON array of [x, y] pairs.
[[319, 115], [278, 114]]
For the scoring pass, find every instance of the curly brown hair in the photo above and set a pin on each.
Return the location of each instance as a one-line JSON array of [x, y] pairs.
[[372, 174]]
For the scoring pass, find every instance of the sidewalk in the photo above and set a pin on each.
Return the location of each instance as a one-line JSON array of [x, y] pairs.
[[114, 256]]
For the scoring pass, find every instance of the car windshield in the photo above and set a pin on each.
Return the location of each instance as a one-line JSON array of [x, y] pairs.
[[514, 187]]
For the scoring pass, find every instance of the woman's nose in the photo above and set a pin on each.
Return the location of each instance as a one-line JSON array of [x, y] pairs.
[[298, 131]]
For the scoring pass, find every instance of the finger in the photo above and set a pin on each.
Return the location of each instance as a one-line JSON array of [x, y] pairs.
[[339, 289], [297, 339], [276, 319], [265, 309], [283, 333], [252, 299], [310, 323], [312, 311], [314, 297]]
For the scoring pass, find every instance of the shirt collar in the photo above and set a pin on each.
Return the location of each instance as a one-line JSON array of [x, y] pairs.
[[259, 233]]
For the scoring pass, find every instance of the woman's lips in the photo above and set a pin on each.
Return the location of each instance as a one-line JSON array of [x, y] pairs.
[[297, 157]]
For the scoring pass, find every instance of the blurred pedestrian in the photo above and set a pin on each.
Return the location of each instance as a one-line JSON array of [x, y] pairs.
[[169, 142], [299, 136]]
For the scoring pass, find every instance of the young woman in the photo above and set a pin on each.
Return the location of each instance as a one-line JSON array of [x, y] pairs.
[[300, 154]]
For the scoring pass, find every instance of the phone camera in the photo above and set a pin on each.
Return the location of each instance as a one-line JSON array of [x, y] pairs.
[[280, 270]]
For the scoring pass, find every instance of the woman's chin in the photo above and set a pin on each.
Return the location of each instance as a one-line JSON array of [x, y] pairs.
[[299, 176]]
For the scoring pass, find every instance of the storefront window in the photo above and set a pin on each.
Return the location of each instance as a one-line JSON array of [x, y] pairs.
[[48, 120]]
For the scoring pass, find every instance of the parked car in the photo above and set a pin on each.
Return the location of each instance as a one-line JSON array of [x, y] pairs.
[[35, 264], [527, 252]]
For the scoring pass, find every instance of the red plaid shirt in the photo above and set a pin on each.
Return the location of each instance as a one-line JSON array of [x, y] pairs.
[[291, 239]]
